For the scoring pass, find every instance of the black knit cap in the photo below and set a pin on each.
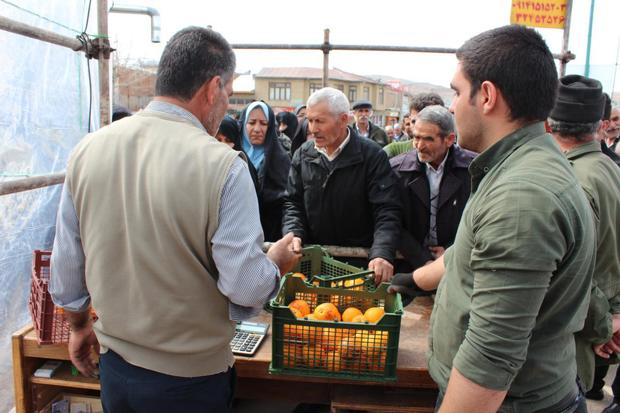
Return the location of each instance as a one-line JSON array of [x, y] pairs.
[[580, 100]]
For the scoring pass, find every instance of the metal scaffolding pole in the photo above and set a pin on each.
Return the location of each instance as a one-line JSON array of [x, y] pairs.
[[40, 34], [104, 63], [26, 184], [563, 60], [325, 49]]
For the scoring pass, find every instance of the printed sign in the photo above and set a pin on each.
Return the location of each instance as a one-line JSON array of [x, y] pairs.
[[542, 13]]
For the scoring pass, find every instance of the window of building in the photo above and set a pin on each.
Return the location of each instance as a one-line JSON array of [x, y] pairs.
[[381, 96], [366, 93], [279, 91], [352, 93], [340, 87], [314, 87], [240, 101]]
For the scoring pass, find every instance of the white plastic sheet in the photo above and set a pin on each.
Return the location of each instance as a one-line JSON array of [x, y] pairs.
[[44, 105]]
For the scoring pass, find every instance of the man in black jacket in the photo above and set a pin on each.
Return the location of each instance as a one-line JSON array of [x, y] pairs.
[[435, 184], [362, 111], [341, 190]]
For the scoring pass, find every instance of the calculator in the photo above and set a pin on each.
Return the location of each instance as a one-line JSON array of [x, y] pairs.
[[248, 337]]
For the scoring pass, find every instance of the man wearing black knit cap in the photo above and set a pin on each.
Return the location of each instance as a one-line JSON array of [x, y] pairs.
[[574, 122]]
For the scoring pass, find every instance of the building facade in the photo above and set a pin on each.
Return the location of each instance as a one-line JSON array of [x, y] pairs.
[[285, 88]]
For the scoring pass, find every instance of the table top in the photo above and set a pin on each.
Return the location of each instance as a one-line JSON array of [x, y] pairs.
[[411, 368]]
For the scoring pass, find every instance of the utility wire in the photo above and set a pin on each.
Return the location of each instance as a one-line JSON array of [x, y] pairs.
[[50, 20]]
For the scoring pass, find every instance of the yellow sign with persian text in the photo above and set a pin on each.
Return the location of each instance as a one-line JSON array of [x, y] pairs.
[[539, 13]]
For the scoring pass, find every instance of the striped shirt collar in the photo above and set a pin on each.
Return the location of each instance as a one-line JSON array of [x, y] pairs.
[[172, 109]]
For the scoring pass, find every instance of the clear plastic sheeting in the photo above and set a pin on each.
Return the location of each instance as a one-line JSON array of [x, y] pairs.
[[44, 112]]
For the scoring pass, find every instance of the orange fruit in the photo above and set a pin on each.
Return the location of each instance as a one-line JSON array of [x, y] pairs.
[[326, 311], [374, 314], [313, 356], [335, 300], [356, 284], [301, 306], [292, 332], [299, 275], [350, 313], [296, 312], [310, 316], [292, 354], [332, 337], [350, 348], [332, 361], [359, 319]]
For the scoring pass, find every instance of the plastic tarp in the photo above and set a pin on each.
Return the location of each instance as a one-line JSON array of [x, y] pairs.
[[44, 112]]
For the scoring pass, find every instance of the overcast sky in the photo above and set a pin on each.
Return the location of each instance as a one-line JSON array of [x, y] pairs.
[[436, 23]]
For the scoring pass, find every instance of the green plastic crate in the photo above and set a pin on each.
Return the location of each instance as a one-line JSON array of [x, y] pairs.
[[356, 351], [323, 270]]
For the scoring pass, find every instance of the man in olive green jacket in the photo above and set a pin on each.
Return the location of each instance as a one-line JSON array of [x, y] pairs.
[[574, 121], [516, 281]]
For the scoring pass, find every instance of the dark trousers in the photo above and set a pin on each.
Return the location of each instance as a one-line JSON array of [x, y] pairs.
[[599, 380], [126, 388]]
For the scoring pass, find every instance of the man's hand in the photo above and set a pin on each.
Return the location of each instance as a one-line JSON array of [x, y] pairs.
[[437, 251], [83, 345], [382, 268], [285, 252], [404, 284], [605, 350]]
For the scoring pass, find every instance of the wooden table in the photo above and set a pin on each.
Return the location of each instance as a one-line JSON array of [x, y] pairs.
[[413, 388]]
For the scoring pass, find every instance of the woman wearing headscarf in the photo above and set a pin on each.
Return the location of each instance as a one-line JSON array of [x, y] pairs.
[[302, 135], [229, 133], [287, 127], [259, 140]]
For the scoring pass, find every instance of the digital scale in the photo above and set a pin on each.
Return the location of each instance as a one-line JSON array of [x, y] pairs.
[[248, 337]]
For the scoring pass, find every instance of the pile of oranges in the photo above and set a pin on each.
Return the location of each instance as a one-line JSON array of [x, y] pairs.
[[334, 348], [328, 311]]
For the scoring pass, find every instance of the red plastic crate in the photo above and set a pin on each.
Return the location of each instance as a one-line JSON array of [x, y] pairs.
[[48, 320]]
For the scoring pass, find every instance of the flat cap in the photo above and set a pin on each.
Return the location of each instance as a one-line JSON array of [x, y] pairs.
[[361, 104]]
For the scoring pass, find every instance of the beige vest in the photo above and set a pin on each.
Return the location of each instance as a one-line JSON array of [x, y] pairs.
[[147, 192]]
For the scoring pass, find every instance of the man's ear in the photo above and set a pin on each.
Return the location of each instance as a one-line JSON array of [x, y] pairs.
[[603, 126], [451, 138], [488, 96], [211, 89]]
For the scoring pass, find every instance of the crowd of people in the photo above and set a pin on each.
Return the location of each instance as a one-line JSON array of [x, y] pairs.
[[505, 205]]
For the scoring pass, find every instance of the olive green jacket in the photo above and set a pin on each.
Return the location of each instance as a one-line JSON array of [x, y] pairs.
[[518, 276], [396, 148], [600, 180]]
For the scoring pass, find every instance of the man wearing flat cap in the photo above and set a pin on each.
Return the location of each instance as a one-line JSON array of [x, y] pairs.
[[574, 122], [362, 111]]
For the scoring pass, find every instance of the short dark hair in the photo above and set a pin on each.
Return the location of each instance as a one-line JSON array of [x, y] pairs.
[[517, 60], [192, 57], [422, 100], [580, 131]]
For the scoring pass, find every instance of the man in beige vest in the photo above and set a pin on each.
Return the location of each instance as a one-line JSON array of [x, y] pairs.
[[158, 229]]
